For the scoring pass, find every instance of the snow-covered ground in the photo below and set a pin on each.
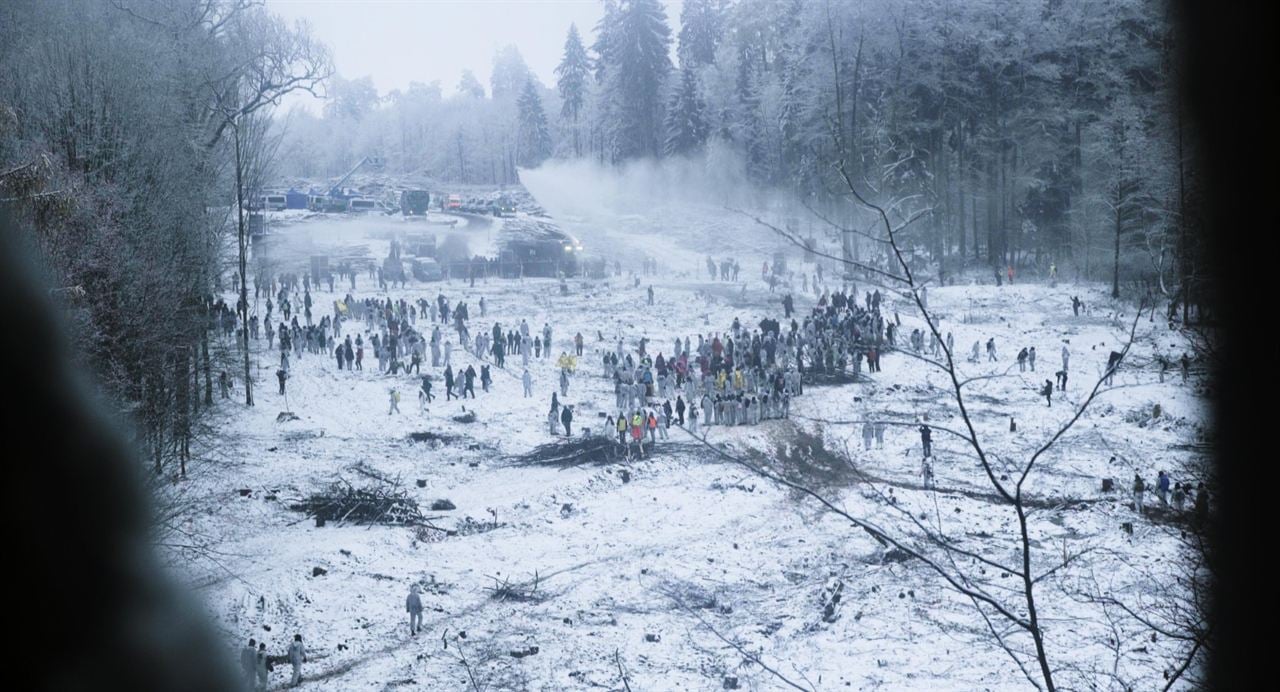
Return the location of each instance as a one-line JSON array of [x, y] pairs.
[[638, 574]]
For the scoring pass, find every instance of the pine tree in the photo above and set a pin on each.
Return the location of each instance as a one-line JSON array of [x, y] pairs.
[[638, 62], [604, 129], [534, 139], [571, 79], [686, 122], [701, 28], [749, 128], [606, 33]]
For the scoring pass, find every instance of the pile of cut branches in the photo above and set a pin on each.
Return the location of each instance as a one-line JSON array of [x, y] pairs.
[[594, 451], [382, 503], [577, 452], [525, 592]]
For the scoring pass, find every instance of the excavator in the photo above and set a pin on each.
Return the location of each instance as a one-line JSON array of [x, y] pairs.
[[338, 198]]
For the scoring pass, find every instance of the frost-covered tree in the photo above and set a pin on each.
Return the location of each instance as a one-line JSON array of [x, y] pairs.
[[686, 121], [468, 85], [534, 138], [701, 30], [571, 80], [606, 38], [637, 64], [351, 98], [509, 74]]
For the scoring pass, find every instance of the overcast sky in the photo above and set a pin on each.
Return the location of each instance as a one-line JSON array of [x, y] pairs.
[[402, 41]]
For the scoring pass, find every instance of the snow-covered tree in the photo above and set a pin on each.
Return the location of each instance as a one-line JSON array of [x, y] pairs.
[[571, 80], [468, 85], [351, 98], [686, 120], [637, 65], [509, 74], [606, 38], [534, 137], [701, 30]]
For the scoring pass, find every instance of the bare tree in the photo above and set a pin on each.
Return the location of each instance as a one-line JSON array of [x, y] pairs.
[[961, 567], [255, 147]]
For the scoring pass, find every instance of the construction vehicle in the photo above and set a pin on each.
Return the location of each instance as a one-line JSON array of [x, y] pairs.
[[336, 191]]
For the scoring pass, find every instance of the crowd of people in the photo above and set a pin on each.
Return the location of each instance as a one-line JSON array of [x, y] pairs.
[[256, 664], [743, 375], [1175, 497]]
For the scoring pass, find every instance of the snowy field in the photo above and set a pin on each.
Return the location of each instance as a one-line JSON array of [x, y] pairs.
[[645, 574]]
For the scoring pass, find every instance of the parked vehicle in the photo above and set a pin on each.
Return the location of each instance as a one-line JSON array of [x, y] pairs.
[[454, 202], [426, 269], [362, 204], [274, 202], [503, 206], [414, 202], [420, 244]]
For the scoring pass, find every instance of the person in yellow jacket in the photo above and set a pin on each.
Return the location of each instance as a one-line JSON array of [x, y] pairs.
[[622, 428], [721, 378], [738, 382], [637, 430]]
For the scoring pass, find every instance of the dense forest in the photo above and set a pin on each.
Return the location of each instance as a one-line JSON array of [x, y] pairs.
[[127, 132], [1030, 133]]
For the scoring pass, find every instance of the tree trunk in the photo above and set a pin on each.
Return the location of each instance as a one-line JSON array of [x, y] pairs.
[[1184, 236], [1115, 276], [993, 247], [960, 188], [242, 240], [208, 367], [1119, 209]]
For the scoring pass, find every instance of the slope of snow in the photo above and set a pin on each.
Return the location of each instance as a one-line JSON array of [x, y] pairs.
[[615, 559]]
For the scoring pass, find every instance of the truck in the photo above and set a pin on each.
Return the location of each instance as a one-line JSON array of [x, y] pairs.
[[420, 244], [414, 202], [425, 269]]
